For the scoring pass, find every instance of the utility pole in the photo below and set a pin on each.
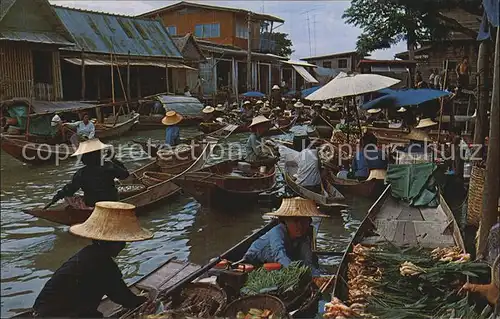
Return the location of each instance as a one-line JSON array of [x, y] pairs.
[[249, 53]]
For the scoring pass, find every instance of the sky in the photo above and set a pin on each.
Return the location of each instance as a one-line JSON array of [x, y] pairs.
[[315, 27]]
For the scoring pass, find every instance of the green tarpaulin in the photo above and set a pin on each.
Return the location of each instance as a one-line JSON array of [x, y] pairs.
[[414, 183]]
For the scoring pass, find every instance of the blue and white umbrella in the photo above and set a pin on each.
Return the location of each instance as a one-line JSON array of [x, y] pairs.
[[254, 94], [406, 97]]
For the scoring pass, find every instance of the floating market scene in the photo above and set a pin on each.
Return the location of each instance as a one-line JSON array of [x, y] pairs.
[[250, 159]]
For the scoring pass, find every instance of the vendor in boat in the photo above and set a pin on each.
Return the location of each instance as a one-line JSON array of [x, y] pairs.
[[375, 115], [247, 114], [208, 114], [255, 147], [76, 289], [319, 115], [276, 96], [85, 130], [172, 132], [219, 110], [265, 110], [299, 109], [96, 178], [369, 162], [419, 137], [308, 168], [290, 240]]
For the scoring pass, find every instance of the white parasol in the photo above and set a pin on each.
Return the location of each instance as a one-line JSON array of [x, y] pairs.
[[350, 85]]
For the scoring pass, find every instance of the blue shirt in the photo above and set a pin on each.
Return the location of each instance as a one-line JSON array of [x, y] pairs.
[[374, 160], [172, 137], [276, 246]]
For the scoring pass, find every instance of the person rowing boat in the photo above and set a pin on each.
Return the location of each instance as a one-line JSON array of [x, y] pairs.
[[290, 240], [96, 178], [255, 149], [78, 286], [172, 132]]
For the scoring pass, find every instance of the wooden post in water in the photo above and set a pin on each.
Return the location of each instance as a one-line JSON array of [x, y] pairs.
[[249, 52], [82, 58], [166, 75], [489, 215]]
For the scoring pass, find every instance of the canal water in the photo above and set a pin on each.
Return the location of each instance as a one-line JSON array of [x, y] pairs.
[[32, 248]]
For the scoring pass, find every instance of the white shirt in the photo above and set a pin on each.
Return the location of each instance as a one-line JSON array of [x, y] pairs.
[[187, 93], [308, 173], [84, 130]]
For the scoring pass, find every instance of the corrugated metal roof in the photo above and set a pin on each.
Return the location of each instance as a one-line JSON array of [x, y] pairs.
[[96, 62], [106, 33], [35, 37]]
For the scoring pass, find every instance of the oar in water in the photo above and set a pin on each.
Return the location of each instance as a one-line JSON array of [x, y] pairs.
[[49, 204]]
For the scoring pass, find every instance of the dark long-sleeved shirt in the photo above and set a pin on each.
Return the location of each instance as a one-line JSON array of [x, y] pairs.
[[77, 287], [97, 182]]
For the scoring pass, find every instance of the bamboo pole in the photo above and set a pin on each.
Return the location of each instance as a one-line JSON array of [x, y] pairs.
[[166, 75], [445, 82], [491, 193], [83, 75]]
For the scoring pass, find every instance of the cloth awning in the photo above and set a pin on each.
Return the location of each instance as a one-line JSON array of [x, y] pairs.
[[97, 62], [303, 73]]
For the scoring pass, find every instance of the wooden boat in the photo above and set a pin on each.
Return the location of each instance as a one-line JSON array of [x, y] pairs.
[[173, 274], [284, 126], [23, 149], [372, 188], [393, 221], [223, 185], [154, 193]]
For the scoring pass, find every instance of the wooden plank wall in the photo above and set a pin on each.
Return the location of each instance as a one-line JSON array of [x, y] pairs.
[[57, 78], [16, 70]]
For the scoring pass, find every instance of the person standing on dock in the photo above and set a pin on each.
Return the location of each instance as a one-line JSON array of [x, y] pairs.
[[290, 240], [172, 132], [85, 130], [255, 146], [76, 289], [96, 178]]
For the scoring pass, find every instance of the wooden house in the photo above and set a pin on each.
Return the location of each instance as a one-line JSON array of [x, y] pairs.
[[397, 69], [433, 54], [221, 25], [116, 56], [193, 57], [343, 61], [30, 37]]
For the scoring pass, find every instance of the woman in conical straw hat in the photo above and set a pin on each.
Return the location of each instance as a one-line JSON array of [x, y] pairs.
[[96, 178], [291, 239], [172, 132], [255, 150], [208, 114], [77, 287]]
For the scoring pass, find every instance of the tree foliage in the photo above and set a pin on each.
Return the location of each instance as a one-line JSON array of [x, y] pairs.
[[387, 22], [283, 44]]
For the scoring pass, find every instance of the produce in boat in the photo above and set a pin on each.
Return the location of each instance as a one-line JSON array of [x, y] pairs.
[[255, 313]]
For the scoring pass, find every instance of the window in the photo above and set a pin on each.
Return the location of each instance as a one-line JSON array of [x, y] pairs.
[[327, 64], [207, 30], [342, 63], [242, 31], [172, 30]]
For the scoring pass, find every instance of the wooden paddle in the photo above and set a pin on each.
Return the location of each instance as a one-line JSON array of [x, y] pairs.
[[48, 205]]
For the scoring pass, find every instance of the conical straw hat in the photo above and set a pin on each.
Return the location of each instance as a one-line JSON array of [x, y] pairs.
[[418, 135], [112, 221], [246, 102], [171, 118], [265, 110], [259, 102], [425, 123], [259, 120], [373, 111], [208, 109], [297, 207], [299, 105], [90, 146], [276, 87], [401, 110], [377, 174]]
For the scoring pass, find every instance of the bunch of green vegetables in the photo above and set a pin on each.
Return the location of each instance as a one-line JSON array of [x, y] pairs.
[[277, 282], [422, 295]]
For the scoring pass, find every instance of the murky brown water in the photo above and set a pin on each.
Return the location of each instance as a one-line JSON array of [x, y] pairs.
[[32, 249]]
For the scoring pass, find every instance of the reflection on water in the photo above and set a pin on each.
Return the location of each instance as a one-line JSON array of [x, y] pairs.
[[32, 249]]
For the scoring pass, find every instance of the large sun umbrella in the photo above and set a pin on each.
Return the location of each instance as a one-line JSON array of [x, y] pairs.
[[405, 97], [254, 94], [352, 84], [309, 91]]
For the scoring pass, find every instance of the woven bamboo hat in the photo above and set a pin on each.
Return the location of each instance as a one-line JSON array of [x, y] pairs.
[[171, 118], [259, 102], [427, 122], [297, 207], [294, 100], [317, 104], [299, 105], [220, 108], [246, 102], [265, 110], [235, 103], [259, 120], [418, 135], [374, 111], [112, 221], [276, 87], [401, 110], [90, 146], [287, 113], [208, 109]]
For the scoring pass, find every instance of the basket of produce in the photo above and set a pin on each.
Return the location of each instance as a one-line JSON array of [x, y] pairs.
[[475, 201], [256, 307], [125, 191], [196, 300], [288, 283]]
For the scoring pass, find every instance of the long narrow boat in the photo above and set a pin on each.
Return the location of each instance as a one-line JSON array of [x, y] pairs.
[[173, 274], [223, 184], [395, 222], [22, 149], [371, 188], [151, 194], [284, 126]]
